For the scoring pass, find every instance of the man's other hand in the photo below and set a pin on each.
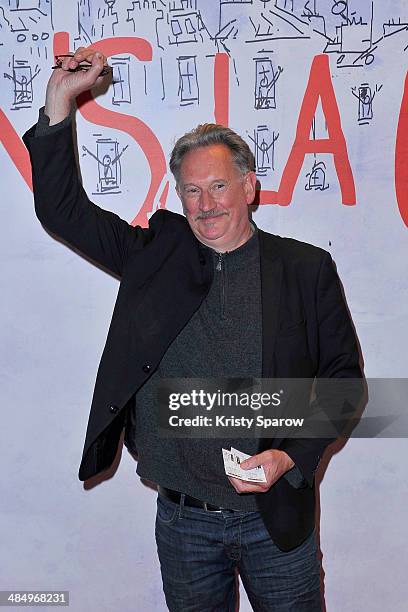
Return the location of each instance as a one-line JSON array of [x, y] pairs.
[[274, 462]]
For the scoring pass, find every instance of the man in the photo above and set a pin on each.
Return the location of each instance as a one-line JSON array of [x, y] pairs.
[[208, 295]]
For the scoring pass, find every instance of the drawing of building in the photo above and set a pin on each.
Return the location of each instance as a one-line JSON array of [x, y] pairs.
[[188, 90], [121, 80]]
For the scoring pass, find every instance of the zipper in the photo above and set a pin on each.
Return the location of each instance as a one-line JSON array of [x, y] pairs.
[[220, 268], [219, 262]]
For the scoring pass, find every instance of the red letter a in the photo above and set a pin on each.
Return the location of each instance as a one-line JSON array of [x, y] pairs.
[[319, 86]]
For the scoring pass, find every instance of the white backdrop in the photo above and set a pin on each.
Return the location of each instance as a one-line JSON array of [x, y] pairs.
[[178, 63]]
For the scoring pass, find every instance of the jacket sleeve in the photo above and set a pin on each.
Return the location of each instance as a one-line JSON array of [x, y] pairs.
[[338, 358], [64, 209]]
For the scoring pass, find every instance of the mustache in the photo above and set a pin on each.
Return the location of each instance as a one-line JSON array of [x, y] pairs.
[[209, 215]]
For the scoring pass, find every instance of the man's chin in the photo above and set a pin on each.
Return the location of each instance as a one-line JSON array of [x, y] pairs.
[[211, 233]]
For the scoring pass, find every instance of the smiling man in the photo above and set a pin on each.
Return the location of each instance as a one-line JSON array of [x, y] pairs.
[[215, 187], [208, 295]]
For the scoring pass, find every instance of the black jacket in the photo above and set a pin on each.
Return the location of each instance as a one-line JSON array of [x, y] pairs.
[[165, 274]]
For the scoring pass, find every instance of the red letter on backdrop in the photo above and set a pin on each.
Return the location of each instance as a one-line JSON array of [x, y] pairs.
[[15, 148], [221, 88], [319, 86], [137, 129], [401, 157]]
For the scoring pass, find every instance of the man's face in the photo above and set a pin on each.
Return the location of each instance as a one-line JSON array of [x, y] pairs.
[[215, 196]]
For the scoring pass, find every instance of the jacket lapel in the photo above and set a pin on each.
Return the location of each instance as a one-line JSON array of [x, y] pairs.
[[271, 280]]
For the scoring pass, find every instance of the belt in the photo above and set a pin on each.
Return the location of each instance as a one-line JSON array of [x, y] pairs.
[[175, 496]]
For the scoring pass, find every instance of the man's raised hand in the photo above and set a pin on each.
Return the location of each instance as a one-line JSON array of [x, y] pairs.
[[64, 86]]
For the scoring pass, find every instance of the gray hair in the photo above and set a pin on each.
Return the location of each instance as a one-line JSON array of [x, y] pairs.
[[209, 134]]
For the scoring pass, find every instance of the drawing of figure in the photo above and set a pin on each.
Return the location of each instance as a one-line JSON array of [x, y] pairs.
[[317, 177], [365, 98], [109, 167], [265, 80], [107, 170], [264, 149], [22, 77]]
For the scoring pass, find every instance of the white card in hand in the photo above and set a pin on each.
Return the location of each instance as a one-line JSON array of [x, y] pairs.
[[232, 459]]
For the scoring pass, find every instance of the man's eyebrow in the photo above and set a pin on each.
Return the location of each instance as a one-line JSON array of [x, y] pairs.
[[216, 180]]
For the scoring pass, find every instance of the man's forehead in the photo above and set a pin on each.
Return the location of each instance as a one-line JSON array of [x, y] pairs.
[[213, 161]]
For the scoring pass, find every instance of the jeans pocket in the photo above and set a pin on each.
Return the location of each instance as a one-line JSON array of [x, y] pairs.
[[167, 511]]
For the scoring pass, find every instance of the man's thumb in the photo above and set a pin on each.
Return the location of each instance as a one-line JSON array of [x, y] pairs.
[[250, 463], [96, 68]]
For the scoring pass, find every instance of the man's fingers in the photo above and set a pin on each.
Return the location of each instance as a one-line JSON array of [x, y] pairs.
[[79, 53], [242, 486], [65, 63], [96, 61], [84, 54], [87, 54]]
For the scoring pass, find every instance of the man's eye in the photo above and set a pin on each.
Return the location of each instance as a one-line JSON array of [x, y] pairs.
[[191, 191], [219, 186]]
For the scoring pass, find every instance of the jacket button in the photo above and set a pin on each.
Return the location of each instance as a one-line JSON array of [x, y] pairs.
[[146, 368], [114, 409]]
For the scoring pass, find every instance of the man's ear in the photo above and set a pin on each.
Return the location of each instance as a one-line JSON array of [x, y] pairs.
[[250, 187]]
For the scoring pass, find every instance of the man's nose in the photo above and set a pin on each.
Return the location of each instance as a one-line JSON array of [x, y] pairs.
[[206, 202]]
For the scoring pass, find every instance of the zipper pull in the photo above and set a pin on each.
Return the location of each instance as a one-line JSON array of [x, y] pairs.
[[219, 262]]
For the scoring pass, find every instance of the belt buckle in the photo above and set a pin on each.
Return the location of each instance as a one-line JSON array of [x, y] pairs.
[[207, 509]]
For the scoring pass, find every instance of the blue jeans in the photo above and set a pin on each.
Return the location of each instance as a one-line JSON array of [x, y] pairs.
[[200, 553]]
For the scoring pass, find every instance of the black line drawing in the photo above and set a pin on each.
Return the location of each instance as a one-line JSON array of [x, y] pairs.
[[287, 5], [234, 65], [266, 77], [121, 80], [145, 79], [188, 89], [109, 166], [353, 42], [22, 76], [227, 26], [149, 13], [162, 79], [185, 23], [275, 26], [96, 19], [365, 96], [30, 22], [317, 177], [175, 22], [264, 149], [315, 20], [392, 27]]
